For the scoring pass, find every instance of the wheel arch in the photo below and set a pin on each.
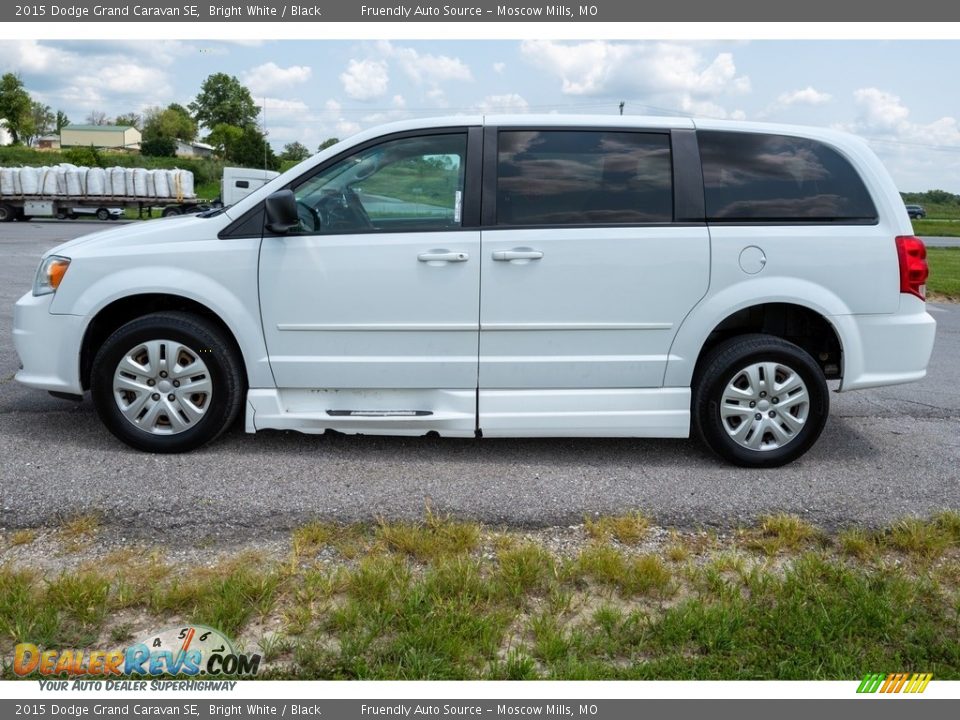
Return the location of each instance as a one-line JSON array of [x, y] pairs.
[[793, 317], [129, 307], [794, 323]]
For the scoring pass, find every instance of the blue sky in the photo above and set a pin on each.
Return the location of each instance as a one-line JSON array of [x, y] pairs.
[[897, 94]]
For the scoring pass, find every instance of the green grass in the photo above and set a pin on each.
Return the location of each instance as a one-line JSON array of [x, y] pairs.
[[440, 599], [777, 533], [628, 529], [944, 277], [936, 227]]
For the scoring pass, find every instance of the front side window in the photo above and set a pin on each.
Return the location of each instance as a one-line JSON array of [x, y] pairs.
[[408, 184], [573, 177], [755, 177]]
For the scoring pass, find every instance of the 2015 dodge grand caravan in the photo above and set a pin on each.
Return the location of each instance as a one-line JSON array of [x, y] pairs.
[[503, 276]]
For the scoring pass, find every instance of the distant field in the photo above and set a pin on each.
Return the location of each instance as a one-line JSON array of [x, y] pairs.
[[944, 272], [937, 228]]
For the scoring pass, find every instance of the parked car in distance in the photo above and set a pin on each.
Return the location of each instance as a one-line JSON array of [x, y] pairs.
[[916, 211], [102, 213], [513, 276]]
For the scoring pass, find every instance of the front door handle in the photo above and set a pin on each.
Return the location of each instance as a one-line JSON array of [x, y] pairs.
[[442, 256], [518, 254]]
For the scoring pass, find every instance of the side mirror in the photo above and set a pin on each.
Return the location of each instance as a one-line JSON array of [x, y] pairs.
[[281, 211]]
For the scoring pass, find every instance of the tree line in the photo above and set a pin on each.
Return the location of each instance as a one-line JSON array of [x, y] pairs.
[[224, 107]]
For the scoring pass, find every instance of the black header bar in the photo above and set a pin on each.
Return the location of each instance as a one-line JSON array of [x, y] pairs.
[[330, 11]]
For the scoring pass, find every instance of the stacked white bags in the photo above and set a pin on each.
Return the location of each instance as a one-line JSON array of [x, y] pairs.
[[72, 181]]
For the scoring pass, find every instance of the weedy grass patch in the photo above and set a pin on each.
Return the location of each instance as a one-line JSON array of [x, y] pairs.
[[441, 599]]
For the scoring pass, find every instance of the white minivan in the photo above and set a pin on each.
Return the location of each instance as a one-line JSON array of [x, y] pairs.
[[506, 277]]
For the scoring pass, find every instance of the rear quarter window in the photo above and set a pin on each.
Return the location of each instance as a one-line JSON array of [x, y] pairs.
[[755, 177]]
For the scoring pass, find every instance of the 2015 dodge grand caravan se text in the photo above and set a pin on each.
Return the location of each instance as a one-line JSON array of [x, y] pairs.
[[510, 276]]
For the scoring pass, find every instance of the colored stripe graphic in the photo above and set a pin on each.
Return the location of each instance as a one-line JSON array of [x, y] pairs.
[[894, 683]]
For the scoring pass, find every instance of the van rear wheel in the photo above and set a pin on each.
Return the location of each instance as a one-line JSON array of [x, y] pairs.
[[759, 401], [167, 382]]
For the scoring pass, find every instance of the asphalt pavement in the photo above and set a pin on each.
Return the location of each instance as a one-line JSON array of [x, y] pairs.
[[884, 454]]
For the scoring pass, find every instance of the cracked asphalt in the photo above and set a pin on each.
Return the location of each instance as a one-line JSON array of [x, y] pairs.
[[884, 454]]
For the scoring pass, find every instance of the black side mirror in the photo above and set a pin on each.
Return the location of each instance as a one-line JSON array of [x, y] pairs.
[[281, 210]]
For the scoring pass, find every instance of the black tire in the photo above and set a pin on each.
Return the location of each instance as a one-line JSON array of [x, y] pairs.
[[722, 365], [103, 214], [7, 213], [195, 332], [62, 215], [171, 211]]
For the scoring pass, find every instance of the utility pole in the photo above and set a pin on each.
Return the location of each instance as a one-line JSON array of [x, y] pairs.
[[622, 103]]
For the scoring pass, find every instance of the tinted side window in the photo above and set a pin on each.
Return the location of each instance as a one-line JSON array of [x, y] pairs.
[[757, 177], [561, 177]]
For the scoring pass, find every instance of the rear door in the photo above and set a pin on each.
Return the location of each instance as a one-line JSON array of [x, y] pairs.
[[586, 271]]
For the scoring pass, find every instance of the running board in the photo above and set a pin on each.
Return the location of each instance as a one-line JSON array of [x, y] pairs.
[[308, 411], [379, 413]]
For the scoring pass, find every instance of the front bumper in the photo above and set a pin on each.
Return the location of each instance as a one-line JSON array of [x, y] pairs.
[[48, 345]]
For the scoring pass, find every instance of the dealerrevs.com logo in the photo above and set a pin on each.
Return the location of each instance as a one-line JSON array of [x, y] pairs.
[[190, 650], [889, 683]]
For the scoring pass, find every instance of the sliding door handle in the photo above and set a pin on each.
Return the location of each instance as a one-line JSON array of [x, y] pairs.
[[518, 254]]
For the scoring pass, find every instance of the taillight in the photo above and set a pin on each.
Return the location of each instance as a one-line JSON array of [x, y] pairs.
[[913, 265]]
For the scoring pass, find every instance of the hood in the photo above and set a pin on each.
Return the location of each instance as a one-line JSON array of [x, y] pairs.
[[171, 229]]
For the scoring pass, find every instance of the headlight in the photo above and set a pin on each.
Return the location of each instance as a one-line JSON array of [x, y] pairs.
[[50, 274]]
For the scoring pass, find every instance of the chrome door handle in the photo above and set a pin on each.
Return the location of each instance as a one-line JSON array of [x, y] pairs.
[[442, 256], [517, 255]]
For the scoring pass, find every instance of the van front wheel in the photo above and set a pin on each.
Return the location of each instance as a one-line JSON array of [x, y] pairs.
[[759, 401], [167, 382]]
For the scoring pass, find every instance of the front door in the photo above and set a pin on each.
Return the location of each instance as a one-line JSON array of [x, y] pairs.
[[379, 288]]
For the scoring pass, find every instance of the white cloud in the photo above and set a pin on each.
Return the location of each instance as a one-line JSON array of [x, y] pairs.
[[807, 96], [425, 67], [499, 67], [365, 79], [881, 111], [604, 68], [282, 107], [270, 77], [346, 128], [399, 101], [909, 149], [510, 103], [31, 56], [332, 105], [664, 76]]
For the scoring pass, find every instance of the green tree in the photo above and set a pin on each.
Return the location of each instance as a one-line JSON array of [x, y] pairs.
[[84, 156], [251, 149], [171, 122], [132, 119], [41, 122], [159, 147], [61, 121], [327, 143], [15, 108], [295, 151], [224, 137], [224, 100]]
